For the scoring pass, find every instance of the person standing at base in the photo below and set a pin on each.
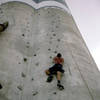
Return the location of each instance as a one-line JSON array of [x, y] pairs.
[[56, 69], [3, 26]]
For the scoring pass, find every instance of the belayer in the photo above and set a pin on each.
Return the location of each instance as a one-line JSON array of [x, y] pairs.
[[56, 69]]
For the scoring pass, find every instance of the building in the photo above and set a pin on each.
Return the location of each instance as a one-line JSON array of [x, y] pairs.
[[38, 30]]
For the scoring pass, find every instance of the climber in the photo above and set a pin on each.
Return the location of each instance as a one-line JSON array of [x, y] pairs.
[[56, 69], [3, 26]]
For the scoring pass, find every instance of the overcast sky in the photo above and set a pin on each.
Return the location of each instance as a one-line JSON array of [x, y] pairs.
[[87, 17]]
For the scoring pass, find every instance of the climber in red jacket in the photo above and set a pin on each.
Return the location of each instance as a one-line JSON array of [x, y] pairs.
[[57, 69]]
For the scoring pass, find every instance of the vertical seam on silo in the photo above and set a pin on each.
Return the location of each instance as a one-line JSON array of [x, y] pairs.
[[81, 74]]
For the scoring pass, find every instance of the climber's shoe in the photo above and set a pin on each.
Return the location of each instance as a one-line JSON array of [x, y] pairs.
[[60, 87], [49, 79]]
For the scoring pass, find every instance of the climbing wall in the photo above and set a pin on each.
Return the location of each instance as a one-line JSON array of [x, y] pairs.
[[27, 47]]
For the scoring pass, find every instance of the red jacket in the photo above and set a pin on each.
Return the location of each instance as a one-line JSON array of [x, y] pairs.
[[58, 60]]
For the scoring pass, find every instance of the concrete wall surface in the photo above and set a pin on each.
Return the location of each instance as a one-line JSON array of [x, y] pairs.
[[33, 38]]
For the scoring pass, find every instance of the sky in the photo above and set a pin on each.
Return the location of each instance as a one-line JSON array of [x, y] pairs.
[[86, 14]]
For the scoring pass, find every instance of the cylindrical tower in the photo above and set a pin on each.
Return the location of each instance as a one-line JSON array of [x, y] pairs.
[[37, 31]]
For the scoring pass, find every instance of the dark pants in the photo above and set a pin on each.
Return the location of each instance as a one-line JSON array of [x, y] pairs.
[[55, 68]]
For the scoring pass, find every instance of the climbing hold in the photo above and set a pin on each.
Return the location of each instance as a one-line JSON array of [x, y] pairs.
[[54, 93], [25, 59], [19, 63], [34, 93], [54, 34], [27, 46], [34, 54], [50, 57], [23, 75], [52, 31], [49, 49], [28, 43], [56, 26], [4, 26], [58, 40], [20, 87], [37, 64], [1, 86], [23, 34], [55, 51], [32, 79]]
